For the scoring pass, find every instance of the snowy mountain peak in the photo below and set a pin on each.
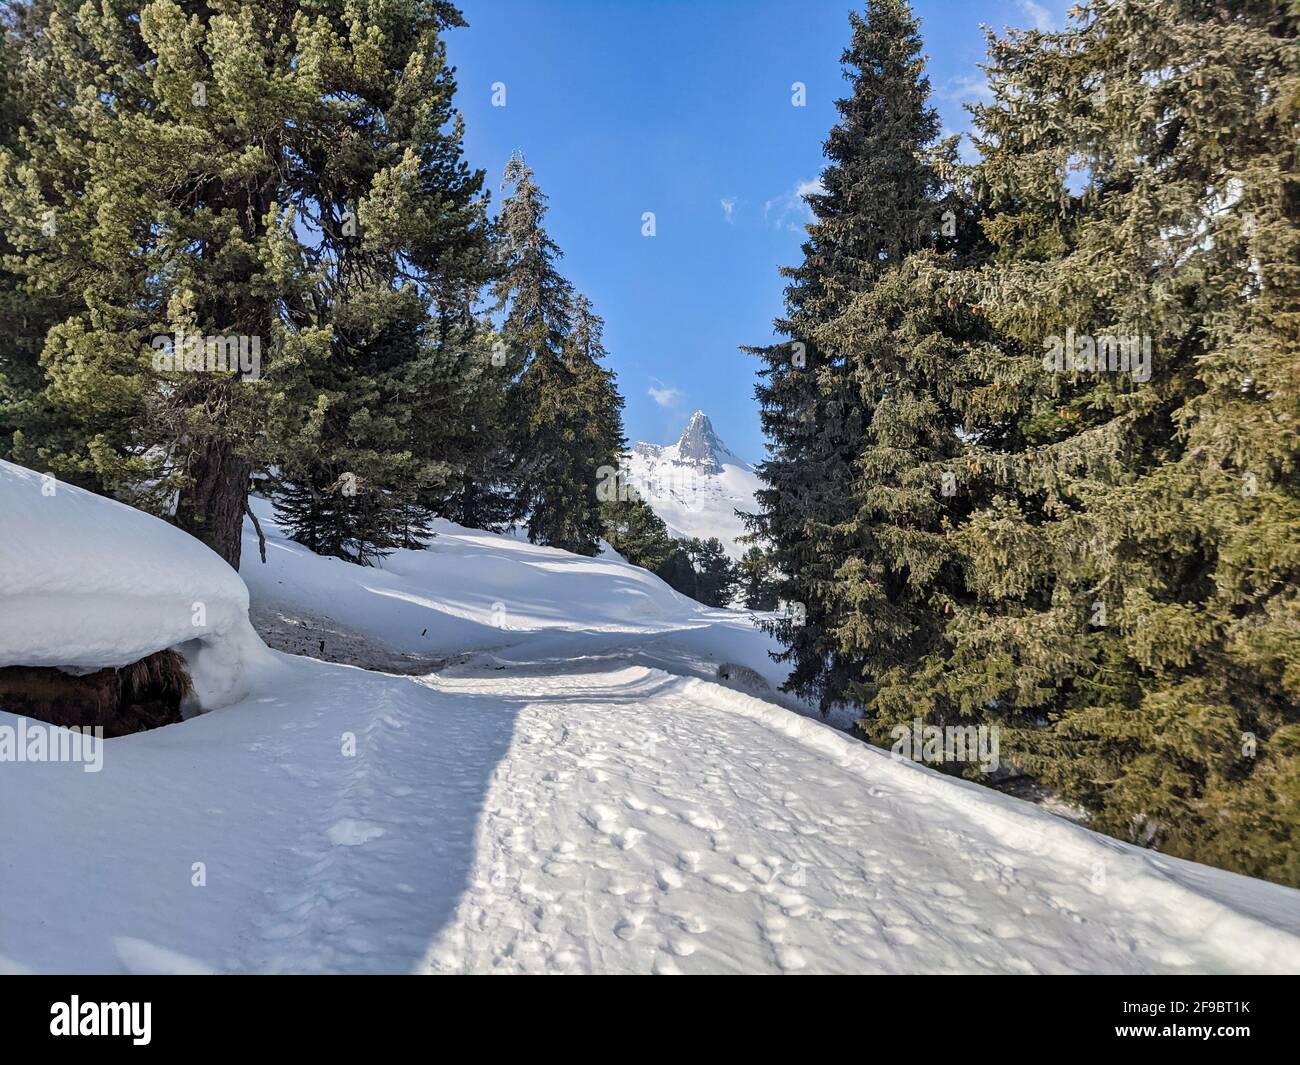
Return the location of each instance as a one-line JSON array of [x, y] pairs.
[[700, 444], [697, 484]]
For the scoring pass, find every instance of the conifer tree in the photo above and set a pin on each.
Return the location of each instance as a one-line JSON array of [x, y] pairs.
[[1131, 552], [875, 206], [678, 572], [231, 170], [31, 91], [20, 377], [636, 532], [564, 408], [715, 573], [756, 579], [481, 494]]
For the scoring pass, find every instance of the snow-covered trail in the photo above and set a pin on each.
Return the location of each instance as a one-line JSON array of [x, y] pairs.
[[594, 815], [643, 822], [571, 789]]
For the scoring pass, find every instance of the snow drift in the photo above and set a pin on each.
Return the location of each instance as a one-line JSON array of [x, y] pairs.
[[87, 582]]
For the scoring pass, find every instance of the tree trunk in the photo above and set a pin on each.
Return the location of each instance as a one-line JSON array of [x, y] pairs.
[[212, 508]]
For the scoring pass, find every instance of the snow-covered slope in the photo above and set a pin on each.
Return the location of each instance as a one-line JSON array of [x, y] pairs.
[[475, 591], [570, 794], [86, 582], [695, 485], [585, 817]]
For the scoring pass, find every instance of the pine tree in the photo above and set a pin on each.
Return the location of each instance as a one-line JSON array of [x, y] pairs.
[[678, 572], [715, 573], [32, 90], [636, 532], [876, 204], [906, 346], [348, 520], [756, 579], [564, 406], [20, 376], [481, 495], [235, 171]]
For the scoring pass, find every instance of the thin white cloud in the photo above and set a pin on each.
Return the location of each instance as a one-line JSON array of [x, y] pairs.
[[728, 208], [790, 210], [665, 395], [968, 89], [1042, 18]]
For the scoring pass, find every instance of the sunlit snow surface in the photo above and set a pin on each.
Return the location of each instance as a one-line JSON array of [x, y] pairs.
[[568, 792], [86, 582]]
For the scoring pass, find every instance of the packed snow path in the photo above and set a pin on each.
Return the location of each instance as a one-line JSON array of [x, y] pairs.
[[647, 823], [579, 817]]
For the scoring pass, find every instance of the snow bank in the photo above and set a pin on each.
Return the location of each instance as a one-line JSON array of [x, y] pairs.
[[470, 590], [87, 582], [1260, 920]]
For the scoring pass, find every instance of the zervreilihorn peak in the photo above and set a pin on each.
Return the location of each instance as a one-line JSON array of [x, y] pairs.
[[700, 444], [695, 485]]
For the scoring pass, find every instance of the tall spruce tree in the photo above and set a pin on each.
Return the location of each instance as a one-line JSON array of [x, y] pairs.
[[564, 409], [906, 350], [229, 170], [1131, 555], [876, 205]]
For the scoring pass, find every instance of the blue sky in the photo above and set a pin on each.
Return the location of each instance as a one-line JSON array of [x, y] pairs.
[[683, 108]]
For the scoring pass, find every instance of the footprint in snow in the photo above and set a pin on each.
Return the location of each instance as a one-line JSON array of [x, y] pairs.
[[603, 819], [628, 927], [704, 822], [692, 923], [629, 838], [792, 903]]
